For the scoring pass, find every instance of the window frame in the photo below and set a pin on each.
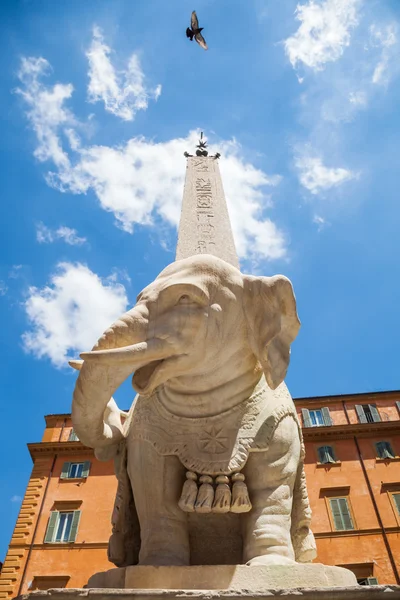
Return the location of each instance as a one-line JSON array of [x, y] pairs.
[[335, 493], [64, 525], [53, 581], [336, 461], [396, 509], [312, 412], [372, 410], [72, 437], [324, 413], [77, 467], [395, 504], [68, 466], [383, 458], [53, 525], [346, 498]]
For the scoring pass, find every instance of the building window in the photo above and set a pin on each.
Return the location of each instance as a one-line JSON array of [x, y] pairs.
[[326, 455], [62, 527], [341, 514], [72, 470], [73, 437], [384, 450], [367, 413], [363, 572], [396, 499], [317, 417], [368, 581], [47, 582]]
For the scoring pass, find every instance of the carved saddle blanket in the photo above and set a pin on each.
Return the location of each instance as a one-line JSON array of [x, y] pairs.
[[218, 444]]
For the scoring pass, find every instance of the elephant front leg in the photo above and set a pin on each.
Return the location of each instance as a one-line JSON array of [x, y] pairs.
[[157, 484], [270, 478]]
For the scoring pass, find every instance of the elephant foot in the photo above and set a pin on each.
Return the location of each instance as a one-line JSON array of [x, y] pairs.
[[163, 561], [270, 559]]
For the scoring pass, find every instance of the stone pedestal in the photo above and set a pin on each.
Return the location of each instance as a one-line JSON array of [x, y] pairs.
[[378, 592], [238, 578]]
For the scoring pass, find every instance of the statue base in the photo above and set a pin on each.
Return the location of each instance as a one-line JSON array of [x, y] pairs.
[[377, 592], [225, 577]]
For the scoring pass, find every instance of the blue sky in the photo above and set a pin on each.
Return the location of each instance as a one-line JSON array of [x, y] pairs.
[[100, 99]]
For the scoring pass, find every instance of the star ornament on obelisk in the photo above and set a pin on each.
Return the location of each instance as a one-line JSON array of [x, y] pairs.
[[205, 227]]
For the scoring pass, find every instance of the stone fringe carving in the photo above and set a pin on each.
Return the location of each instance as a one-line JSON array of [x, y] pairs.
[[240, 496], [205, 499], [189, 493], [222, 496]]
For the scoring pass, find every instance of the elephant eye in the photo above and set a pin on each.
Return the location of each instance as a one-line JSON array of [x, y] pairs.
[[185, 299]]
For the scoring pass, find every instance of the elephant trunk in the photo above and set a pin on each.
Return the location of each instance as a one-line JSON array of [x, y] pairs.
[[94, 413]]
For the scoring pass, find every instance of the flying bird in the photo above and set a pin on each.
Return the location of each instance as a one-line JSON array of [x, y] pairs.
[[194, 31]]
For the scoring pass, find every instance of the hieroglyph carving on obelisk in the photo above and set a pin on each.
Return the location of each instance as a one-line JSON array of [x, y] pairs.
[[205, 227]]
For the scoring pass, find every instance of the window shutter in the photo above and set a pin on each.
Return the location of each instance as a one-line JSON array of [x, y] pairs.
[[347, 521], [65, 470], [306, 417], [372, 581], [86, 468], [326, 416], [337, 518], [398, 405], [396, 498], [330, 455], [73, 437], [74, 526], [374, 412], [389, 453], [48, 538], [380, 449], [321, 454], [360, 413]]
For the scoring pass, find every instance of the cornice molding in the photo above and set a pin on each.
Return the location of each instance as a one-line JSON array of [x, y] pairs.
[[341, 432], [50, 448], [355, 532], [63, 546], [310, 434], [359, 398]]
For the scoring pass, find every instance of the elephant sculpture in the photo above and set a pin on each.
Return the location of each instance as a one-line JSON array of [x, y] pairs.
[[212, 441]]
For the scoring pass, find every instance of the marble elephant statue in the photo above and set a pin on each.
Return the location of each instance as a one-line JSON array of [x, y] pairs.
[[213, 431]]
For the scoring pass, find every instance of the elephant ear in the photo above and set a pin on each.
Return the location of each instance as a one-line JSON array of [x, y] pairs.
[[273, 324]]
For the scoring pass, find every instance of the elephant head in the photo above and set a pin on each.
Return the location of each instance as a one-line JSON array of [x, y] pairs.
[[198, 327]]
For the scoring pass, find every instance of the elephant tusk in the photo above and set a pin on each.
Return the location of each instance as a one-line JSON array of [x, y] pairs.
[[76, 364], [155, 349]]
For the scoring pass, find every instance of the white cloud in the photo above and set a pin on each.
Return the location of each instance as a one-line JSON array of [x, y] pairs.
[[358, 98], [15, 271], [142, 180], [70, 313], [46, 110], [324, 32], [16, 498], [316, 177], [3, 288], [384, 38], [45, 235], [123, 92], [320, 222]]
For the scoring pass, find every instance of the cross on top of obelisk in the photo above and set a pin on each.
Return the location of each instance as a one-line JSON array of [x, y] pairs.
[[205, 227]]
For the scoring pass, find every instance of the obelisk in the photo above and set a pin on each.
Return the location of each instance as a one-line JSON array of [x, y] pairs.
[[205, 227]]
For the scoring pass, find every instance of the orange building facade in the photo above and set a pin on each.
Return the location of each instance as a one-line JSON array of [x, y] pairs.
[[353, 475]]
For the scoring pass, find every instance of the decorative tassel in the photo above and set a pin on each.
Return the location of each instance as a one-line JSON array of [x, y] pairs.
[[222, 497], [189, 492], [205, 495], [240, 496]]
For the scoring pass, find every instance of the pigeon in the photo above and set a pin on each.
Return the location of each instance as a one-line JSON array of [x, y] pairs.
[[194, 31]]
